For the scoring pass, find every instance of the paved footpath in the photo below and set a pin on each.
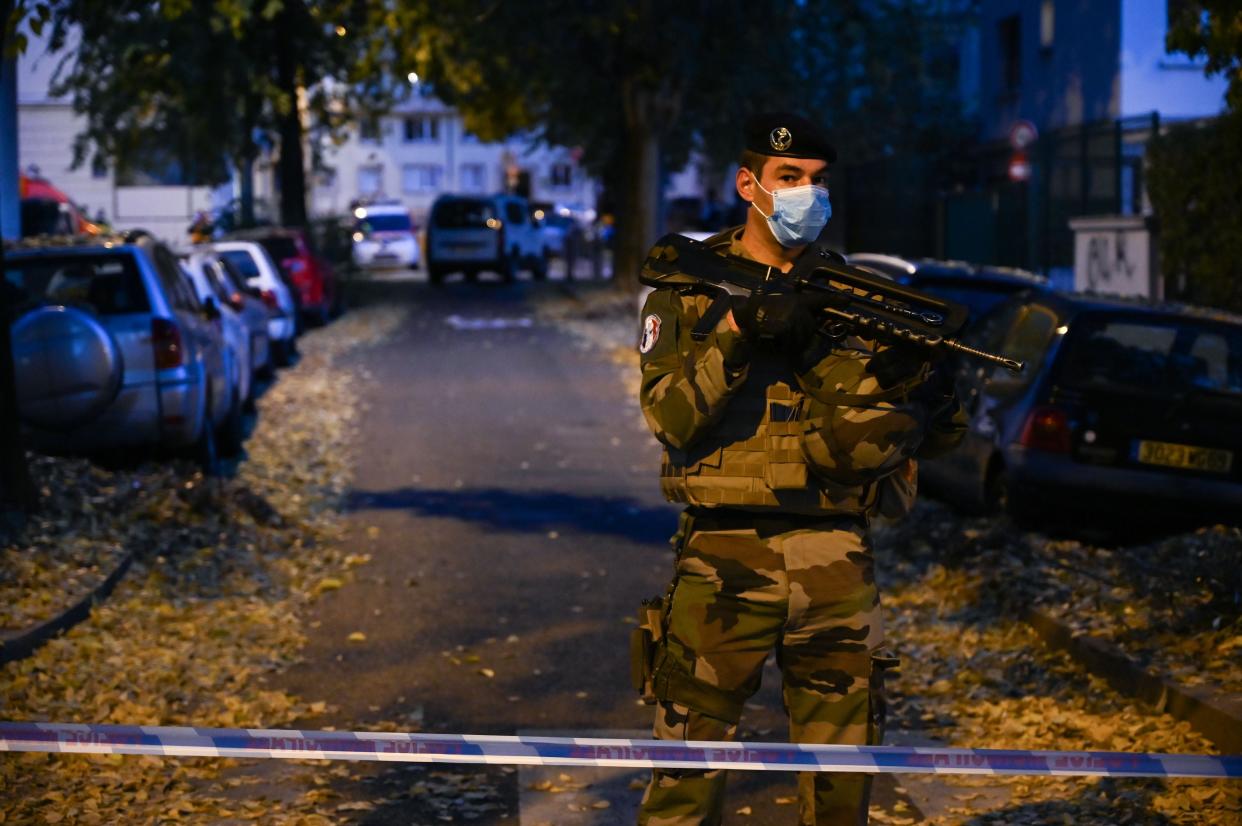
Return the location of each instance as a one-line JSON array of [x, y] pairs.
[[506, 491]]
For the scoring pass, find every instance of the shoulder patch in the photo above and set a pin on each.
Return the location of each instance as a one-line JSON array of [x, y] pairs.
[[651, 333]]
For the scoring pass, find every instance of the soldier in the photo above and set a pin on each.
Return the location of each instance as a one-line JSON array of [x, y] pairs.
[[782, 443]]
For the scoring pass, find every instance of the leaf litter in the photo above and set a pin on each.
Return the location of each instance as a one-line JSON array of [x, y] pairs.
[[955, 589], [208, 614], [974, 675]]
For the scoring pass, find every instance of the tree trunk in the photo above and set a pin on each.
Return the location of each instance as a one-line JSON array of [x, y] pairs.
[[291, 169], [638, 219]]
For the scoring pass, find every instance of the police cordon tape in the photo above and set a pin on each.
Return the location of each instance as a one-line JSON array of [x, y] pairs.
[[176, 741]]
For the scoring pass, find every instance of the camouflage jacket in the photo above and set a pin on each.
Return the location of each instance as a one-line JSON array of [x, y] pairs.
[[741, 428]]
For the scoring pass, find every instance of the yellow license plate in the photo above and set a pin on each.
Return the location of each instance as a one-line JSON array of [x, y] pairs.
[[1185, 456]]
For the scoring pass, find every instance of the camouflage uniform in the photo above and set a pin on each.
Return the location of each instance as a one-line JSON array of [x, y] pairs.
[[781, 469]]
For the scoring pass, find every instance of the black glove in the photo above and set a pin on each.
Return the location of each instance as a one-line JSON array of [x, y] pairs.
[[783, 318], [900, 362]]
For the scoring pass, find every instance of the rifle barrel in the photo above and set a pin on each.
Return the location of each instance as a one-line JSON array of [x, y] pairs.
[[1012, 365]]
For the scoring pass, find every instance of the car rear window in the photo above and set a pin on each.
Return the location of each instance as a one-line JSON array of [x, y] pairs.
[[384, 223], [280, 248], [243, 262], [1158, 355], [463, 214], [108, 283]]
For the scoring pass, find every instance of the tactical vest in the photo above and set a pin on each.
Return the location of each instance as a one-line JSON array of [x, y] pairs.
[[753, 457]]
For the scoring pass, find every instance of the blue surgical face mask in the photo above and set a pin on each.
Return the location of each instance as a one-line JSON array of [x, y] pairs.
[[799, 213]]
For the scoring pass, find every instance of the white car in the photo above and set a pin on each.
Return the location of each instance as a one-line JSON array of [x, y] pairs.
[[384, 236], [257, 267], [238, 361]]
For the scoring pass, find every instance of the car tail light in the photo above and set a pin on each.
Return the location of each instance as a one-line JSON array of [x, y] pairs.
[[166, 339], [269, 298], [1047, 429], [236, 301]]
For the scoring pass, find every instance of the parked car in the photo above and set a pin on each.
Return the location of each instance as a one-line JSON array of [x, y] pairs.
[[384, 235], [310, 276], [203, 270], [469, 234], [113, 349], [248, 302], [1125, 410], [251, 260], [980, 288]]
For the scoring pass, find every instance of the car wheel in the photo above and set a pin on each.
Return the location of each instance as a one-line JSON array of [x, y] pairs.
[[206, 450], [282, 352], [435, 275], [996, 493], [539, 269], [232, 430], [509, 268]]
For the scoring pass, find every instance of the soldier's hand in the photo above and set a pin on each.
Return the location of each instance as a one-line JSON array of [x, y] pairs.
[[900, 362], [783, 319]]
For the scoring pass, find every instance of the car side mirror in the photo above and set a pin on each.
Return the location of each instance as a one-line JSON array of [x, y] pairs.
[[210, 310]]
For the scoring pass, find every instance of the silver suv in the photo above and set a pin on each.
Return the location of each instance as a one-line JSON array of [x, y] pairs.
[[471, 233], [112, 348]]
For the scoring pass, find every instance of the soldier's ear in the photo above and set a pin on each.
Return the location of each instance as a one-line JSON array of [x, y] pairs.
[[745, 182]]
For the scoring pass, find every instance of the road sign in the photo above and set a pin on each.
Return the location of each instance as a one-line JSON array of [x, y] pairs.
[[1022, 134]]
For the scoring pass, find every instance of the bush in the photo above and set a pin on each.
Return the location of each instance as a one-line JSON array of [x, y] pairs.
[[1196, 191]]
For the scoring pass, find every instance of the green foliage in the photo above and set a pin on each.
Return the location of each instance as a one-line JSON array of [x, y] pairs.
[[34, 14], [1197, 200], [199, 82], [1212, 29], [621, 79]]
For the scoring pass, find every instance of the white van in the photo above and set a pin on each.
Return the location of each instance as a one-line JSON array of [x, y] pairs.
[[472, 233]]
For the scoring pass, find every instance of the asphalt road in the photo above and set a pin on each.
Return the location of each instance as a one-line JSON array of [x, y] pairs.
[[506, 490]]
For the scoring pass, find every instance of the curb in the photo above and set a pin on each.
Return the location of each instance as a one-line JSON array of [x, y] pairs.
[[26, 643], [1213, 714]]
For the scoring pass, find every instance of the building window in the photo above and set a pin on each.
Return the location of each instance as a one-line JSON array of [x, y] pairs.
[[472, 177], [422, 129], [369, 129], [1047, 24], [370, 181], [1009, 39], [561, 175], [421, 177]]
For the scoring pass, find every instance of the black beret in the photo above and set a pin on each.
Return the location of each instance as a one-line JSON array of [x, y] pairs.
[[787, 135]]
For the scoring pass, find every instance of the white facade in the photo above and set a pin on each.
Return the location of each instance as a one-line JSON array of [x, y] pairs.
[[1155, 81], [46, 129], [422, 149]]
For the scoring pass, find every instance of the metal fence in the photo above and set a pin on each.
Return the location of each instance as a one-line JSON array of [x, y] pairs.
[[970, 209]]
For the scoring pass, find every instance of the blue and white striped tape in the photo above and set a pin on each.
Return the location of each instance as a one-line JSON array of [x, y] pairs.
[[169, 741]]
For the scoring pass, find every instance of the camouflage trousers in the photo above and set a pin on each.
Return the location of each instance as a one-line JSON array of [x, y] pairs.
[[747, 585]]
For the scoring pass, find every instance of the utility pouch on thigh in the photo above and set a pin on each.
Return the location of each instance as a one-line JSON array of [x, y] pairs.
[[645, 640], [882, 662]]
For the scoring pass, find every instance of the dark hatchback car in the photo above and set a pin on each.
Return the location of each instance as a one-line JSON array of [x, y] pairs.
[[1125, 411], [980, 288]]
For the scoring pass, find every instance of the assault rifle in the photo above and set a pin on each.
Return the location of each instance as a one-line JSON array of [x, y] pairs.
[[865, 304]]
